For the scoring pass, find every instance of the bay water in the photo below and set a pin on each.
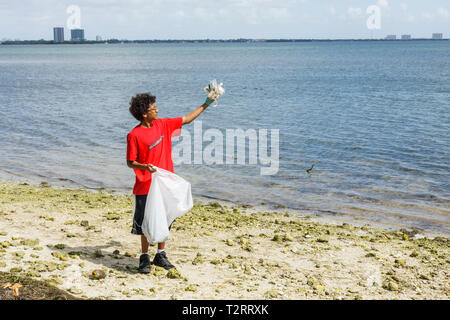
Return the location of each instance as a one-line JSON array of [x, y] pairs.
[[373, 117]]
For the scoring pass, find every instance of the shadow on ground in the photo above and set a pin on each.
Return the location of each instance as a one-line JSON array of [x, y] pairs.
[[120, 261]]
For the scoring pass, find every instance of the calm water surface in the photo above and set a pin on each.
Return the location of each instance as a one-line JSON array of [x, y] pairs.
[[373, 118]]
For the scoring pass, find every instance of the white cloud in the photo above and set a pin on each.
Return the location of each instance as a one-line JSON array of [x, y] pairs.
[[443, 13], [260, 3], [278, 14], [383, 3], [410, 17], [41, 19], [180, 14], [406, 14], [332, 10], [428, 16], [201, 13], [354, 12], [272, 15]]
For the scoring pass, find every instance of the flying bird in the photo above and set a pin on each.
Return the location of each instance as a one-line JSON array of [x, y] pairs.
[[309, 170]]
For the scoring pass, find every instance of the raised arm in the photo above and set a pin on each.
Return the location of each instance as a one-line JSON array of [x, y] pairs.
[[191, 116], [214, 91]]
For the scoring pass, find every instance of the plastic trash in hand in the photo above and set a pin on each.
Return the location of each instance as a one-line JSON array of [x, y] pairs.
[[214, 91], [169, 197]]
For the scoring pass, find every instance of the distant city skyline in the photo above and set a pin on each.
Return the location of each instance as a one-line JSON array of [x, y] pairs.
[[77, 35], [228, 19]]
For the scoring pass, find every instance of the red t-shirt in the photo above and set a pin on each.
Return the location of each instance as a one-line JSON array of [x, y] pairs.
[[152, 145]]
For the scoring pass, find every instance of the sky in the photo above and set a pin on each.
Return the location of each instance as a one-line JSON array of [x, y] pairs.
[[226, 19]]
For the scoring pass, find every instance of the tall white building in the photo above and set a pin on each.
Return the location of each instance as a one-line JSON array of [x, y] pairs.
[[437, 36]]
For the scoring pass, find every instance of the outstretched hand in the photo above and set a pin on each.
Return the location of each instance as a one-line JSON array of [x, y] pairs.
[[214, 90]]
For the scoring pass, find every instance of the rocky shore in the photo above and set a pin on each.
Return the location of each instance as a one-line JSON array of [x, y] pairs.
[[58, 237]]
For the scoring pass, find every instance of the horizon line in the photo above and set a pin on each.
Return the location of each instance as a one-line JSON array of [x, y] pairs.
[[229, 39]]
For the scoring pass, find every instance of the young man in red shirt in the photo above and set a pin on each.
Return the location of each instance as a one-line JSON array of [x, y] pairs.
[[150, 144]]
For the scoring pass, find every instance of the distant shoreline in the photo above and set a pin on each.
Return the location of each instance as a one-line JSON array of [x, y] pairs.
[[116, 41]]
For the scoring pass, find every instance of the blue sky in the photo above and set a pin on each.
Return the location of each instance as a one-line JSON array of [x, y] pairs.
[[200, 19]]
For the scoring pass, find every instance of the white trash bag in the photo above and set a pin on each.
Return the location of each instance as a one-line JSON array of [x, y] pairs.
[[169, 197]]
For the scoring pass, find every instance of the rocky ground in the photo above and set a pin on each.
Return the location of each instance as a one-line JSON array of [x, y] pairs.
[[55, 238]]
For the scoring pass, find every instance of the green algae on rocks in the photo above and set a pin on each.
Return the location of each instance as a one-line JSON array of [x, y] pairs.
[[173, 273]]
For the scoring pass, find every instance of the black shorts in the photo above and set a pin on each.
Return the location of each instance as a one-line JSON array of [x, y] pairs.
[[138, 217]]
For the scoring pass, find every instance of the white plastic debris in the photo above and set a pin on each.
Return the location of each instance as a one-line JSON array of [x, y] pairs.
[[214, 91], [169, 197]]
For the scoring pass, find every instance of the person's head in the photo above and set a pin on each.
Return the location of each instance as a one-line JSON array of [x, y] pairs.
[[143, 107]]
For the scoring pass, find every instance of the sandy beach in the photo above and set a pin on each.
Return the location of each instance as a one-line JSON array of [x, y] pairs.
[[59, 236]]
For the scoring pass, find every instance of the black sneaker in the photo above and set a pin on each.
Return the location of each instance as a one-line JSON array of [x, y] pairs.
[[161, 260], [144, 263]]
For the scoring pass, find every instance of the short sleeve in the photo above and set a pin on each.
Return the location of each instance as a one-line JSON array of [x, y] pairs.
[[132, 147], [173, 126]]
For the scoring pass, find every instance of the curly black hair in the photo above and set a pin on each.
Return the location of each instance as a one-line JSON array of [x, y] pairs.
[[140, 103]]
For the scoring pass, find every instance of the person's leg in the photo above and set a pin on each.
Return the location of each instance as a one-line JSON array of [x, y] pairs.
[[160, 258], [144, 244], [138, 216], [144, 260]]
